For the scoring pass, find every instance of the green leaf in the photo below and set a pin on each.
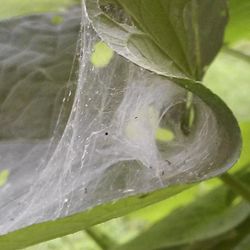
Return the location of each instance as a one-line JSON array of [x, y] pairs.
[[20, 120], [194, 194], [157, 50], [13, 8], [226, 241], [207, 217], [239, 22], [157, 211], [53, 229], [176, 38], [35, 122], [31, 110], [232, 239]]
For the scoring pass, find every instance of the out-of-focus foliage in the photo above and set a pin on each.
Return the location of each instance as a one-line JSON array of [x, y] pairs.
[[13, 8], [79, 241], [239, 24], [206, 217], [244, 244], [229, 78]]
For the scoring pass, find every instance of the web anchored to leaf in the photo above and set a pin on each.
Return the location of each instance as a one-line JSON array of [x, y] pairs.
[[115, 133]]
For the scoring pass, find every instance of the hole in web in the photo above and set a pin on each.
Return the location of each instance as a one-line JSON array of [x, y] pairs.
[[170, 134]]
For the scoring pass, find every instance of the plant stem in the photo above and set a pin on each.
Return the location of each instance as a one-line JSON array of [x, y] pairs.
[[197, 43], [187, 121], [237, 186], [102, 240]]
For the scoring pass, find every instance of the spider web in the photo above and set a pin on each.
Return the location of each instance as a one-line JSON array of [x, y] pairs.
[[71, 145]]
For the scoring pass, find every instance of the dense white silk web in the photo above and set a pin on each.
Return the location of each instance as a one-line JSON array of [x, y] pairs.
[[74, 135]]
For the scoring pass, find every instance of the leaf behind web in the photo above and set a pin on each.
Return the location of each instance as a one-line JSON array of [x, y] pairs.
[[176, 38], [48, 225]]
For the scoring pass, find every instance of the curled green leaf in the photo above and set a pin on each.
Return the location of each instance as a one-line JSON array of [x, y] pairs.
[[84, 154], [175, 38]]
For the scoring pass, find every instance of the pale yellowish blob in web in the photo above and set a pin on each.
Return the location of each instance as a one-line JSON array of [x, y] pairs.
[[56, 20], [164, 135], [4, 175], [101, 55]]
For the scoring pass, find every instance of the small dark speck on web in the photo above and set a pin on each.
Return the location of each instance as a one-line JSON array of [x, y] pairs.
[[106, 133], [169, 163], [151, 167], [136, 117]]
